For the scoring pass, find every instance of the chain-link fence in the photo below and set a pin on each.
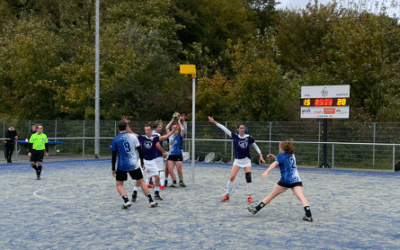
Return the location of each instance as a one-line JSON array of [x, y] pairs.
[[349, 144]]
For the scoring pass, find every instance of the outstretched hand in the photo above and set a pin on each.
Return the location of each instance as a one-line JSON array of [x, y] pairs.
[[262, 159], [211, 119]]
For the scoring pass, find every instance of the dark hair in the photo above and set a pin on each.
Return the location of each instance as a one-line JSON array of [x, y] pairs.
[[122, 125], [147, 125], [287, 146], [240, 124], [37, 125]]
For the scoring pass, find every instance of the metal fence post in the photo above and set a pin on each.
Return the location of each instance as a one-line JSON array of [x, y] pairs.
[[270, 137], [319, 139], [373, 149], [83, 141], [55, 136], [394, 155], [333, 156]]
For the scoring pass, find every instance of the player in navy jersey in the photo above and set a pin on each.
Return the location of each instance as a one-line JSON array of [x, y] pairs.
[[149, 145], [160, 153], [290, 178], [124, 147], [175, 151], [242, 144]]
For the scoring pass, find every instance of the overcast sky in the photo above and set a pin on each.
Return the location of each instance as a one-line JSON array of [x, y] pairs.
[[298, 3], [302, 3]]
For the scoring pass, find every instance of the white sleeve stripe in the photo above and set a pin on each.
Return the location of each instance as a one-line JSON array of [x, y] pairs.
[[256, 148], [227, 131]]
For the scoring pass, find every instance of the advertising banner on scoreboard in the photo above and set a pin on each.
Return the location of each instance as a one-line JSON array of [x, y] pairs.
[[325, 112], [325, 91]]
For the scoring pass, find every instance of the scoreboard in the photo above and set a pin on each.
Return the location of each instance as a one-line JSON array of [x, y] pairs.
[[328, 101]]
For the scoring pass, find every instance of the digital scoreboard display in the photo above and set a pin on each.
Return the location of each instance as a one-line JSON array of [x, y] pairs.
[[324, 102]]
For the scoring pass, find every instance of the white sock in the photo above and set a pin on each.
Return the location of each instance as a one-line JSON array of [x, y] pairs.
[[229, 187], [156, 188], [162, 178], [135, 188], [249, 188]]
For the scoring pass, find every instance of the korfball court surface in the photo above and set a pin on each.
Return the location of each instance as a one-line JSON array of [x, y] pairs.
[[76, 206]]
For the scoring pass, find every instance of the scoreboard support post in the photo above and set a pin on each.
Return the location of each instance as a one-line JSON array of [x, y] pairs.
[[325, 102], [324, 139]]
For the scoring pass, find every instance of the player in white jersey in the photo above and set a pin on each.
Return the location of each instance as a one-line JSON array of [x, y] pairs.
[[242, 144], [290, 178], [124, 147]]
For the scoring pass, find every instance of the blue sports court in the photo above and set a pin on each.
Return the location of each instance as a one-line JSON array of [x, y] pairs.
[[76, 206]]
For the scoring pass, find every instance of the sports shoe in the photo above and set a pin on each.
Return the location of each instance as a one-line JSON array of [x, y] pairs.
[[252, 209], [126, 205], [225, 198], [162, 187], [182, 184], [250, 199], [158, 197], [173, 185], [134, 196], [150, 185], [38, 177], [307, 218], [153, 204]]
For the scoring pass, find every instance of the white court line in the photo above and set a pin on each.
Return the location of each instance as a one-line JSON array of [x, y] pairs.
[[34, 193]]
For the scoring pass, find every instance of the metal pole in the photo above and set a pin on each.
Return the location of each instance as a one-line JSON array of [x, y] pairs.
[[333, 156], [97, 84], [193, 122], [394, 156], [55, 137], [83, 141], [373, 150], [270, 137], [319, 139]]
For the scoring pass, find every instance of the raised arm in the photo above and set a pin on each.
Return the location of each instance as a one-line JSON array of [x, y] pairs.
[[227, 131], [182, 128], [167, 128], [128, 129], [167, 135]]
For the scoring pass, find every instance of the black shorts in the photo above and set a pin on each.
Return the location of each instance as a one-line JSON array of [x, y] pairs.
[[290, 185], [123, 175], [37, 155], [175, 158]]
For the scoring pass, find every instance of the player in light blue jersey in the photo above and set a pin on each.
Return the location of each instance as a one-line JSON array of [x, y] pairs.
[[124, 147], [242, 144], [286, 161], [175, 151]]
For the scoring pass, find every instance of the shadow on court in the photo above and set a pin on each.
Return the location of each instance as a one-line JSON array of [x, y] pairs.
[[76, 206]]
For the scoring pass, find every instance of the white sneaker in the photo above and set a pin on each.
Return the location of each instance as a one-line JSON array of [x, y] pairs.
[[153, 204], [126, 205]]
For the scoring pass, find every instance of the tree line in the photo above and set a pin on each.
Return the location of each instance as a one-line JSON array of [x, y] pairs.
[[251, 58]]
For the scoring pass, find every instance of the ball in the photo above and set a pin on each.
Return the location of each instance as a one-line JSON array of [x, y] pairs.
[[176, 116]]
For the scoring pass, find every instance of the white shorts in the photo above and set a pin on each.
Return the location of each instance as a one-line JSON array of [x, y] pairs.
[[245, 162], [150, 167], [160, 163]]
